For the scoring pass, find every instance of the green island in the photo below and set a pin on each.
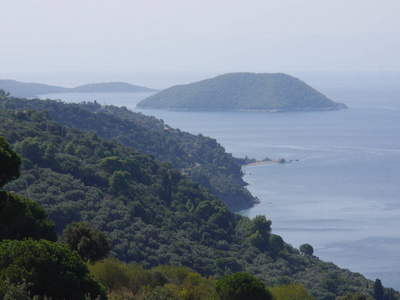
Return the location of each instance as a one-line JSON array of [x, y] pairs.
[[111, 217], [242, 92], [31, 90]]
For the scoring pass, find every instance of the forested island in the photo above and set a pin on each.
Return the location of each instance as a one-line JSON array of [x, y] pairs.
[[32, 90], [100, 178], [242, 92]]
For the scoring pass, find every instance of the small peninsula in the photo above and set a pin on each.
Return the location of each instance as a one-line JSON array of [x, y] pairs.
[[32, 90], [242, 92]]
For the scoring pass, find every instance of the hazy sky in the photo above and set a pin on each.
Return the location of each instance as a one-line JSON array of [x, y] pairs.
[[114, 37]]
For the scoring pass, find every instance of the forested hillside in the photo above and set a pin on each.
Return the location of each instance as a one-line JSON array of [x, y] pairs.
[[150, 211], [147, 208], [201, 158], [242, 91]]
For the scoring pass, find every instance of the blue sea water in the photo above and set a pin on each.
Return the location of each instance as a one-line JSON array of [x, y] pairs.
[[340, 193]]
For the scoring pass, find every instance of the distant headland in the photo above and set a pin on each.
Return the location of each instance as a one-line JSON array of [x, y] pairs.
[[32, 90], [273, 92]]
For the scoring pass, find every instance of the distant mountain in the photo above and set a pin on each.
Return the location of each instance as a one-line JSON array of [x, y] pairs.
[[242, 91], [31, 90], [110, 87]]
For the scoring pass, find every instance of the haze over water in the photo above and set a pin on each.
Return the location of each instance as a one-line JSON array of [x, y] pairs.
[[342, 196]]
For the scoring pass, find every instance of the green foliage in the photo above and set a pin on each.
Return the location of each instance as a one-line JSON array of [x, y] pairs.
[[241, 285], [193, 287], [290, 292], [85, 186], [260, 237], [242, 91], [355, 296], [262, 225], [276, 243], [21, 218], [111, 273], [4, 95], [156, 216], [391, 294], [306, 249], [48, 268], [31, 149], [259, 241], [283, 280], [228, 265], [132, 280], [15, 291], [9, 162], [90, 243], [201, 158], [378, 290], [120, 182], [110, 164]]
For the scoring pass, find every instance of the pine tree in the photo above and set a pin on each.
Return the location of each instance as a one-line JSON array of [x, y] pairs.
[[378, 290]]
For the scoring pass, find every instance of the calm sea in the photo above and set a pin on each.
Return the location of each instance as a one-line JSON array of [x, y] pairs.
[[340, 193]]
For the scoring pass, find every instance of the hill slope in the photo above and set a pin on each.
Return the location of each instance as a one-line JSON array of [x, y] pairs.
[[242, 91], [151, 213], [28, 90], [201, 158], [31, 90], [109, 87]]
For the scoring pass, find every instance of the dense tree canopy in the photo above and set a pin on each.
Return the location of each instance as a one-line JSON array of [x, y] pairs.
[[239, 286], [133, 280], [293, 291], [356, 296], [306, 249], [151, 212], [49, 269], [90, 243], [21, 218], [201, 158], [9, 162]]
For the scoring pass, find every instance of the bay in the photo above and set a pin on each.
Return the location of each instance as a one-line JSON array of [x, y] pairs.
[[340, 193]]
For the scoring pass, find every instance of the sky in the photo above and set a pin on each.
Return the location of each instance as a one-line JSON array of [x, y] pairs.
[[69, 41]]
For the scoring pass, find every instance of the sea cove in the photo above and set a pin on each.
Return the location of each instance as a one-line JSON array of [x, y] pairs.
[[342, 196]]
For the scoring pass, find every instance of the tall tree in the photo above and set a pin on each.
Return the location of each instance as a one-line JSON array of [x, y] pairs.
[[378, 290], [90, 243], [306, 249]]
